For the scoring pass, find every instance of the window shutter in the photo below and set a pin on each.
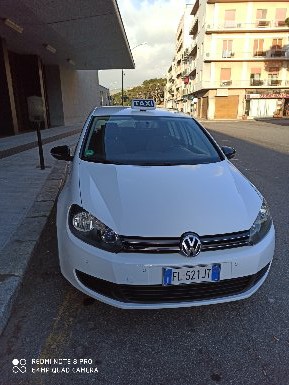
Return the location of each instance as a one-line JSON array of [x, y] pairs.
[[281, 14], [225, 74]]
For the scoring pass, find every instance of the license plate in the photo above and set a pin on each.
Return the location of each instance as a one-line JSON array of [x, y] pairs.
[[194, 274]]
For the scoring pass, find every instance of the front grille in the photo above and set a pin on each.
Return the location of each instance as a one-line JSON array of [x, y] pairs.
[[170, 294], [172, 245]]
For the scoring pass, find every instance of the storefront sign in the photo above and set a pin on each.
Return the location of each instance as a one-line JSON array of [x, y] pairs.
[[281, 95]]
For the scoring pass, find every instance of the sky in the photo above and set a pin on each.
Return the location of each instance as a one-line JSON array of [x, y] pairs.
[[153, 22]]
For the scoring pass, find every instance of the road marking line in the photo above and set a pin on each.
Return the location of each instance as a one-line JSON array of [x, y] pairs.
[[61, 329]]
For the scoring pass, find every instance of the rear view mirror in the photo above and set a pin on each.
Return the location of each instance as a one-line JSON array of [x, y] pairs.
[[61, 153], [228, 151]]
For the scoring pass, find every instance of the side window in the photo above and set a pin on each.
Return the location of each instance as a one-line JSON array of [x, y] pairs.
[[180, 133], [173, 130], [197, 142]]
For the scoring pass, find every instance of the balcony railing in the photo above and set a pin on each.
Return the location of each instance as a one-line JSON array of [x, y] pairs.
[[251, 83], [268, 82], [191, 67], [194, 27], [185, 73], [192, 87], [226, 83], [228, 54], [238, 55], [242, 25], [192, 47]]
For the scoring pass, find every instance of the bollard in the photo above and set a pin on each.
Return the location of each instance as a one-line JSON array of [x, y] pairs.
[[40, 147]]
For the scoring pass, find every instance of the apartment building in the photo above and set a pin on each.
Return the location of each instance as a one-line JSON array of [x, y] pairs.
[[175, 94], [237, 63]]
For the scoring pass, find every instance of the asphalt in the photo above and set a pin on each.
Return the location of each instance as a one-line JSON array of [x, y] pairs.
[[27, 196]]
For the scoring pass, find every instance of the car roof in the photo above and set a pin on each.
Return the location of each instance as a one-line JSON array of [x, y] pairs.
[[121, 110]]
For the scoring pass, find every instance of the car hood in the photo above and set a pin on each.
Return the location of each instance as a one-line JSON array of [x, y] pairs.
[[166, 201]]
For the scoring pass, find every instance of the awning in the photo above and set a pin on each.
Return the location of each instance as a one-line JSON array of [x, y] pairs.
[[83, 34]]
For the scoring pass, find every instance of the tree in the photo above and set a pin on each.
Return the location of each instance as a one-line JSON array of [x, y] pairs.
[[287, 21], [150, 89]]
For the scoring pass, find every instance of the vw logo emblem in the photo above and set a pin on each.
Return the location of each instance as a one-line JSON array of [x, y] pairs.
[[190, 245]]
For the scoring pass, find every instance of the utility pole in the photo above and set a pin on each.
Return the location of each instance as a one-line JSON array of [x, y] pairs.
[[122, 74], [122, 87]]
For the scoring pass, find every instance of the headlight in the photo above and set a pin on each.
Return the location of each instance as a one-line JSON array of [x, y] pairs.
[[89, 229], [262, 224]]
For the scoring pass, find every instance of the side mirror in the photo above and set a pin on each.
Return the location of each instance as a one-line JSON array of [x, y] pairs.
[[228, 151], [61, 153]]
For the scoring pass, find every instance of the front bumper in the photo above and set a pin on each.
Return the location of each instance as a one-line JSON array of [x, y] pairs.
[[134, 280]]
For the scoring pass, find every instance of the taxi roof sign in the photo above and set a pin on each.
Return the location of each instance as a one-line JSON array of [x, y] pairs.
[[143, 104]]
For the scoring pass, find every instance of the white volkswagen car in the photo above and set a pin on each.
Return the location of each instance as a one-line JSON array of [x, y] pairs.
[[154, 215]]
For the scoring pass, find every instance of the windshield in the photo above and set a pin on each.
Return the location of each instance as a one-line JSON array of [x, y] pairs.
[[151, 140]]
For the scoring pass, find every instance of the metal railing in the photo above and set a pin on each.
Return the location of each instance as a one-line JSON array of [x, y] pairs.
[[270, 53], [239, 24], [206, 84]]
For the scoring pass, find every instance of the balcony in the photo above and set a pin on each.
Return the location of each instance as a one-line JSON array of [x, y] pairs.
[[195, 8], [192, 67], [270, 55], [228, 54], [185, 73], [256, 82], [240, 25], [195, 27], [192, 50], [274, 82], [170, 91], [179, 46], [263, 23], [226, 83], [251, 83], [185, 55], [278, 52], [259, 53], [280, 23]]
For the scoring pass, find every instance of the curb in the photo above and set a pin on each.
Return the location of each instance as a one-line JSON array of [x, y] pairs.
[[15, 256], [28, 146]]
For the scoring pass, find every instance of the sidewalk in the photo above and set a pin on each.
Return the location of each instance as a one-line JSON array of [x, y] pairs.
[[27, 195]]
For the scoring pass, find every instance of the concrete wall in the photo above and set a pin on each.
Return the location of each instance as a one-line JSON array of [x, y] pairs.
[[6, 116], [54, 97], [104, 97], [80, 93]]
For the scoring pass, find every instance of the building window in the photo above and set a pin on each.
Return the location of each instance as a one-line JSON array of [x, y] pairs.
[[230, 18], [276, 48], [258, 49], [273, 76], [225, 78], [276, 43], [261, 16], [227, 48], [255, 77], [280, 17]]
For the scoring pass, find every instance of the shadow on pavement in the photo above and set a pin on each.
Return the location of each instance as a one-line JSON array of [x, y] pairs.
[[278, 121]]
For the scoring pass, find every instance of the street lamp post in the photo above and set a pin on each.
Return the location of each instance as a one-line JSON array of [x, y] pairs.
[[122, 86], [122, 74]]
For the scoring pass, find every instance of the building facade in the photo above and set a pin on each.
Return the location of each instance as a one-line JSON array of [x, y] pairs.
[[104, 96], [237, 63]]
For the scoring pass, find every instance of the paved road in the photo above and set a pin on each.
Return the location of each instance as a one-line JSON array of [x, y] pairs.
[[244, 343]]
